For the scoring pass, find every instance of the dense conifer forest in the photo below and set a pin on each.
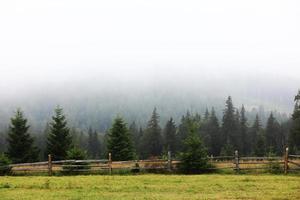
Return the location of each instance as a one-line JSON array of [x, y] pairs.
[[129, 140]]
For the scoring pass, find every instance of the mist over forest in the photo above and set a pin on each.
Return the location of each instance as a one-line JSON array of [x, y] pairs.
[[92, 97]]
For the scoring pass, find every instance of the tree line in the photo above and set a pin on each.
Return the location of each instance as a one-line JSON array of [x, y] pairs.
[[204, 135]]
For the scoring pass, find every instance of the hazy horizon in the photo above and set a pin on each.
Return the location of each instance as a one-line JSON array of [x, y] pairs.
[[74, 52]]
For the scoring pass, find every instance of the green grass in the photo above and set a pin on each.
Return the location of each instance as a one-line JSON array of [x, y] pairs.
[[171, 187]]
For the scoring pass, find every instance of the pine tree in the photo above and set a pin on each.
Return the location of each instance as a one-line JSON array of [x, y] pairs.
[[152, 139], [59, 140], [229, 125], [3, 142], [135, 135], [170, 136], [253, 134], [204, 130], [260, 146], [245, 147], [206, 115], [273, 134], [194, 155], [21, 147], [93, 144], [119, 142], [294, 136], [214, 133]]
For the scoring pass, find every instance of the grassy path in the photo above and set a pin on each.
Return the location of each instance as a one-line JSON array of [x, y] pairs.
[[170, 187]]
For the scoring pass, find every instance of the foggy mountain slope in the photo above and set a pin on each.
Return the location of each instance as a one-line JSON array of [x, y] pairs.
[[94, 97]]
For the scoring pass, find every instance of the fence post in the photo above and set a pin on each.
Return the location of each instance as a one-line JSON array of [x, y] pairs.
[[236, 158], [110, 163], [286, 160], [169, 161], [49, 165]]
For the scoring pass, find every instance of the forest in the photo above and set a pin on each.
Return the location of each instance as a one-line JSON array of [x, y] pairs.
[[127, 141]]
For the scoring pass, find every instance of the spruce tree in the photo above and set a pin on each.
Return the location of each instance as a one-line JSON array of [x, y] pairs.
[[260, 145], [273, 133], [93, 144], [214, 133], [245, 146], [21, 147], [136, 135], [170, 136], [152, 139], [194, 155], [119, 142], [294, 136], [229, 125], [253, 134], [59, 140]]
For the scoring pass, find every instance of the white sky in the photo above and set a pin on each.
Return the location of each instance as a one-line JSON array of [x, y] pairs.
[[42, 41]]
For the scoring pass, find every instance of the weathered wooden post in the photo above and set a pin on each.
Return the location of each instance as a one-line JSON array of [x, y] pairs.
[[49, 165], [169, 161], [286, 160], [110, 163], [236, 158]]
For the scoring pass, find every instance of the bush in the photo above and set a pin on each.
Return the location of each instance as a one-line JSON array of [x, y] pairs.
[[194, 156], [75, 167], [274, 165], [4, 165]]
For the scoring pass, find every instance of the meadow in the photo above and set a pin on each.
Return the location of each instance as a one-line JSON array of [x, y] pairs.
[[173, 187]]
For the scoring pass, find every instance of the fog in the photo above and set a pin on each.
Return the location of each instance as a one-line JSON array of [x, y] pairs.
[[192, 55]]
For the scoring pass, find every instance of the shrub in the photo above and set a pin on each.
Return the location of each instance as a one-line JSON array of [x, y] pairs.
[[75, 167], [274, 165], [194, 156], [4, 165]]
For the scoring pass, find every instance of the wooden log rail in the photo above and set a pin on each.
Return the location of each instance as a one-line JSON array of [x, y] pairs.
[[235, 162]]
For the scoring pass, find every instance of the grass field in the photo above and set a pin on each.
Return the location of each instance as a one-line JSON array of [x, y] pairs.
[[171, 187]]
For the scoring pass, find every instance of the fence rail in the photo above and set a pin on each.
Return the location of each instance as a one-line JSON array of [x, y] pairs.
[[288, 163]]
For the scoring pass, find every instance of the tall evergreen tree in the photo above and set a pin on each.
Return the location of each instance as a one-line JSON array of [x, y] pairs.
[[136, 136], [59, 140], [273, 133], [152, 139], [194, 155], [260, 145], [3, 142], [214, 132], [229, 125], [93, 144], [245, 146], [206, 115], [294, 136], [169, 134], [119, 142], [21, 147], [253, 134]]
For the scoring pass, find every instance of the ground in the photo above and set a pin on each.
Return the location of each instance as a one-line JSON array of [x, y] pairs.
[[171, 187]]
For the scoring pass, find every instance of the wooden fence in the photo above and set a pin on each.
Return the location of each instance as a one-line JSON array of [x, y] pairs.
[[286, 163]]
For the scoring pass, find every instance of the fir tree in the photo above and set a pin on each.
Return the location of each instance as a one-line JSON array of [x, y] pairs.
[[136, 135], [206, 115], [272, 135], [93, 144], [194, 155], [214, 132], [119, 142], [245, 145], [229, 125], [253, 133], [170, 136], [21, 147], [152, 139], [260, 146], [294, 136], [59, 139]]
